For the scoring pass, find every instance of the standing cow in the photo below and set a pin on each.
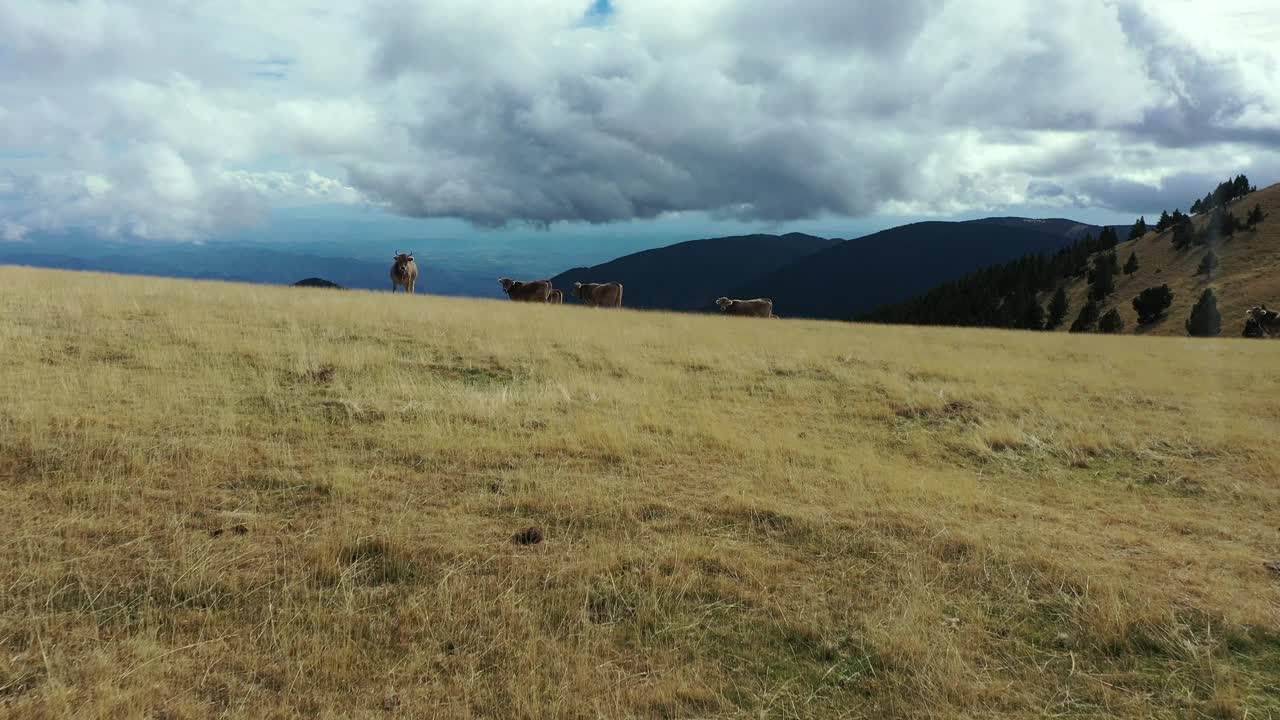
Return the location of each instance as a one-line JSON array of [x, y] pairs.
[[556, 297], [1267, 321], [599, 294], [759, 307], [404, 272], [538, 291]]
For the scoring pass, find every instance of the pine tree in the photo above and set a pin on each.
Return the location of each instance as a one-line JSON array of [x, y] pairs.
[[1131, 265], [1086, 319], [1208, 264], [1226, 224], [1240, 187], [1057, 308], [1197, 207], [1109, 238], [1032, 317], [1111, 323], [1205, 320], [1115, 262], [1151, 303], [1103, 282], [1255, 216], [1165, 221], [1182, 235], [1139, 228]]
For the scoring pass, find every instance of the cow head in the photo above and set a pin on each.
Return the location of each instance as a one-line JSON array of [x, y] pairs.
[[724, 303], [577, 289], [402, 262], [506, 284]]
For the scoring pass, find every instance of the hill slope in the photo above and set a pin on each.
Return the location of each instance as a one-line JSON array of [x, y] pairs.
[[251, 501], [859, 275], [317, 283], [690, 275], [1249, 274]]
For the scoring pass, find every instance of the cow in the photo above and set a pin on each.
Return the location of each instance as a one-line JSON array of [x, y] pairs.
[[1268, 321], [404, 271], [759, 307], [536, 291], [556, 297], [599, 294]]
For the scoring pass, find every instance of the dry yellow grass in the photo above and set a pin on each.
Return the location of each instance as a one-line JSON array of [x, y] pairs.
[[238, 501], [1249, 274]]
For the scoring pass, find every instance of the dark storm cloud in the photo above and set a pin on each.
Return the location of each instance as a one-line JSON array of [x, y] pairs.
[[546, 111], [774, 113]]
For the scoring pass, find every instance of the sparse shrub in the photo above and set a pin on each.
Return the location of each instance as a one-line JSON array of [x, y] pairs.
[[527, 536], [1087, 318], [1151, 303], [377, 562], [1205, 320], [1111, 323]]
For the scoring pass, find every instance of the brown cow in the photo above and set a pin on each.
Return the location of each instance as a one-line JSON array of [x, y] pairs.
[[536, 291], [599, 294], [759, 307], [1268, 321], [556, 297], [404, 271]]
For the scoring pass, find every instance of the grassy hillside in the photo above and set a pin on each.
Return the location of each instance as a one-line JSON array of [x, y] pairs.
[[1249, 274], [249, 501]]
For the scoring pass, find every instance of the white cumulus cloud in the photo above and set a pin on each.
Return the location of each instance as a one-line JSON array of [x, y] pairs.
[[178, 120]]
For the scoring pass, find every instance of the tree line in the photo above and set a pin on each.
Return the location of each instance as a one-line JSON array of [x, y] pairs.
[[1006, 295], [1002, 295]]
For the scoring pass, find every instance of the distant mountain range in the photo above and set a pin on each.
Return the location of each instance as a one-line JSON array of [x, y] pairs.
[[691, 275], [858, 275], [813, 277], [806, 276]]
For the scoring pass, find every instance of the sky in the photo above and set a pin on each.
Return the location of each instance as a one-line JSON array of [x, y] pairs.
[[193, 119]]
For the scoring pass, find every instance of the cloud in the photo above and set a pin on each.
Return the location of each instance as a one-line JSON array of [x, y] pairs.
[[151, 120], [12, 232]]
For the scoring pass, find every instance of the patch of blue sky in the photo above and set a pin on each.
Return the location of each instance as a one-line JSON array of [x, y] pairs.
[[598, 12]]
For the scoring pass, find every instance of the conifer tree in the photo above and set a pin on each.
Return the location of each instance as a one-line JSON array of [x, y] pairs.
[[1139, 228], [1103, 282], [1255, 216], [1131, 265], [1151, 303], [1058, 307], [1205, 320], [1087, 318], [1111, 323], [1208, 264]]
